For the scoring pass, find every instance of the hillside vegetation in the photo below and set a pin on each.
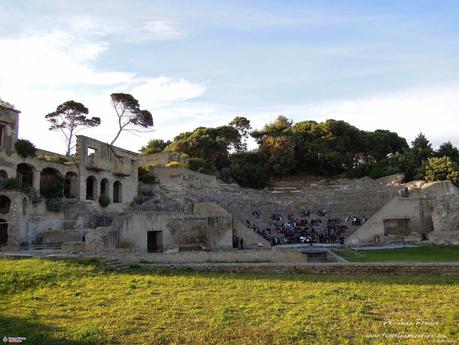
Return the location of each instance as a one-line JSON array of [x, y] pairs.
[[328, 148]]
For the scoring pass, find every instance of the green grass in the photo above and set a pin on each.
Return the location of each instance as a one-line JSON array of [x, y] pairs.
[[61, 302], [427, 253]]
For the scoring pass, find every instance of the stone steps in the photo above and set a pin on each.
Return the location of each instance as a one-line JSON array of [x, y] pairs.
[[115, 264]]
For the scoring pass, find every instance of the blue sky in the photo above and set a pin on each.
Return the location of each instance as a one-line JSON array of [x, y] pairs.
[[375, 64]]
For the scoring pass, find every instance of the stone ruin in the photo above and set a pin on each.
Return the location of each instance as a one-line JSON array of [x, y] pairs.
[[190, 211]]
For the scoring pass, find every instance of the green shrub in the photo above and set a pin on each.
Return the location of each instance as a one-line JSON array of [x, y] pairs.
[[176, 165], [25, 148], [54, 188], [146, 174], [104, 200], [55, 204], [440, 169], [10, 184], [375, 170], [248, 169], [201, 165]]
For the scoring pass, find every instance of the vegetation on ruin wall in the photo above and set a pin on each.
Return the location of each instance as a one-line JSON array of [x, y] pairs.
[[58, 302], [25, 148], [428, 253], [146, 174], [329, 148]]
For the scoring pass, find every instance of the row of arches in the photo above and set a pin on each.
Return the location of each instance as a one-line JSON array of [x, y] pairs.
[[70, 187], [91, 189]]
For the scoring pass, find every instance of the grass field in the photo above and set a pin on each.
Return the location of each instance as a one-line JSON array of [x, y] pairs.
[[428, 253], [61, 302]]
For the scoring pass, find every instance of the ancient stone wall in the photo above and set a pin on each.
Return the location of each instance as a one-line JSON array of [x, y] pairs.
[[360, 197], [207, 227], [103, 162]]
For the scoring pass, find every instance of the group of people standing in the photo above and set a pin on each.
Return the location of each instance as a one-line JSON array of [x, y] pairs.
[[304, 228]]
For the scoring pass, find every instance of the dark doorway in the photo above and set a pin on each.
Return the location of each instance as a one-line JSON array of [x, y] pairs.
[[154, 241], [117, 192], [5, 204], [3, 232], [104, 187], [71, 185], [24, 174], [51, 183], [91, 185]]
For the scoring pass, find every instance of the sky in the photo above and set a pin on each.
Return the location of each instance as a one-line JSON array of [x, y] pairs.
[[375, 64]]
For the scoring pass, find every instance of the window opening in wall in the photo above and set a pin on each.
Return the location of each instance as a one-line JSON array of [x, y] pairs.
[[117, 192], [91, 185], [2, 134], [91, 152], [5, 204], [3, 232]]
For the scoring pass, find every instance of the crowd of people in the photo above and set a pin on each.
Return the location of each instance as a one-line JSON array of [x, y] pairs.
[[304, 228]]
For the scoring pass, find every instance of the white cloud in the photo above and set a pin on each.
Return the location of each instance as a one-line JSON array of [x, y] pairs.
[[55, 59], [132, 29], [44, 70], [157, 91]]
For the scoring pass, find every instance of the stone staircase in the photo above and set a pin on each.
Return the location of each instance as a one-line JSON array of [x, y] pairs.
[[115, 264]]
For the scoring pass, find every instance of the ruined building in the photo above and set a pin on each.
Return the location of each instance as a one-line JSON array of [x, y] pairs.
[[96, 169], [188, 210]]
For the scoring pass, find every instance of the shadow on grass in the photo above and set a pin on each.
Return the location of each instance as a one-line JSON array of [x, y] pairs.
[[38, 333], [415, 279], [100, 270]]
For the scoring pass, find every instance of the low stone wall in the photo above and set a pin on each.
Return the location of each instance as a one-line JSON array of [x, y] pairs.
[[233, 256], [364, 269]]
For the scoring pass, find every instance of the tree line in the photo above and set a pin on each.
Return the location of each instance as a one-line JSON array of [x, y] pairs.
[[328, 148]]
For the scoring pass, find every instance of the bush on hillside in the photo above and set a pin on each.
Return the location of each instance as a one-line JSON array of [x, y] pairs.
[[176, 165]]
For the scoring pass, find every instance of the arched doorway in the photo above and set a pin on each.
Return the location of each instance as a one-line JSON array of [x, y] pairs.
[[117, 192], [5, 204], [51, 183], [91, 188], [71, 185], [3, 232], [3, 176], [24, 174], [104, 186]]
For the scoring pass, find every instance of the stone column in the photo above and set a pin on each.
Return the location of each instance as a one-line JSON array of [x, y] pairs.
[[36, 180]]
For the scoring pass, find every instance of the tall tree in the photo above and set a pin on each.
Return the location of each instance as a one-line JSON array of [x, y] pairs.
[[69, 118], [273, 129], [154, 146], [279, 154], [421, 149], [449, 150], [129, 114], [242, 124]]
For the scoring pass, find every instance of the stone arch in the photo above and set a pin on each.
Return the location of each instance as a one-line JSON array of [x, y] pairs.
[[3, 232], [5, 204], [24, 206], [71, 185], [104, 187], [117, 192], [51, 184], [24, 174], [91, 188]]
